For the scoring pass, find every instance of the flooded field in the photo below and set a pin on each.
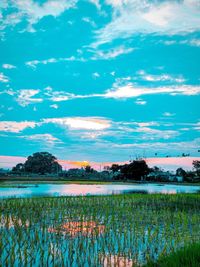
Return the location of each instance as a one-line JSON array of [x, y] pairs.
[[98, 189], [119, 230]]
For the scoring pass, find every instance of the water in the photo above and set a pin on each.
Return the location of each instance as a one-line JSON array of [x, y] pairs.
[[31, 190]]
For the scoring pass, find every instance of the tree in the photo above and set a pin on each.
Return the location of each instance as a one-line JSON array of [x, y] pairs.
[[115, 167], [89, 169], [136, 170], [196, 166], [42, 162], [181, 172], [18, 168]]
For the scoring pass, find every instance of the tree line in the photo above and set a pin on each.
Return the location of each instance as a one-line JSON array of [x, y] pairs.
[[45, 163]]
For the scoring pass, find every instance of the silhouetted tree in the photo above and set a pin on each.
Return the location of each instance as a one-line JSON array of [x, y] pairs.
[[89, 169], [18, 168], [115, 167], [136, 170], [42, 162], [196, 165], [181, 172]]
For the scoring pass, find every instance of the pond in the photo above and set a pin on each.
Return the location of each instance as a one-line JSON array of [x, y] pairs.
[[32, 190]]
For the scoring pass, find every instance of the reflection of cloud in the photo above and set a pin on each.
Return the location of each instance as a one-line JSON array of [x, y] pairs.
[[115, 261], [11, 222]]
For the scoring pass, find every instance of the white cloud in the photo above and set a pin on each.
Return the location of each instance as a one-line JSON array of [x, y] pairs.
[[130, 90], [112, 53], [139, 101], [54, 106], [130, 17], [96, 3], [153, 134], [47, 138], [89, 21], [170, 146], [159, 15], [195, 42], [34, 11], [3, 78], [168, 114], [188, 41], [8, 66], [58, 96], [147, 124], [81, 123], [34, 63], [16, 127], [96, 75], [25, 97], [160, 78]]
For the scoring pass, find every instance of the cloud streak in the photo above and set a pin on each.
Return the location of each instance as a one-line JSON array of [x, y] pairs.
[[15, 126], [149, 17], [26, 97]]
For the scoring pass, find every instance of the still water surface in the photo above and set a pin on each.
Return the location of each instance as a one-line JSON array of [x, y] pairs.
[[32, 190]]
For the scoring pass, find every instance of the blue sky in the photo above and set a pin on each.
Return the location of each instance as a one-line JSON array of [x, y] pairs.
[[99, 80]]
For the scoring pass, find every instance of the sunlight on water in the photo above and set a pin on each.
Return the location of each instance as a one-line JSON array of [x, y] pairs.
[[74, 228]]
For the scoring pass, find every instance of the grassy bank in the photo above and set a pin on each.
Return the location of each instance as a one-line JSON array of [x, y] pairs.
[[13, 181], [188, 256], [120, 230]]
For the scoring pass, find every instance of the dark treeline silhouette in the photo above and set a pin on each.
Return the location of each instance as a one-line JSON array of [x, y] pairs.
[[45, 163]]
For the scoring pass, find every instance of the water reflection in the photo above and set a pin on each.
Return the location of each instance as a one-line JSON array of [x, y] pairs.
[[116, 261], [73, 228], [106, 189]]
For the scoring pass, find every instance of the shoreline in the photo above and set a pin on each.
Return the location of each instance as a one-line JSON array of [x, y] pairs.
[[12, 182]]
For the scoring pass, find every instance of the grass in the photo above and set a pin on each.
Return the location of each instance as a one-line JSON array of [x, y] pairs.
[[188, 257], [119, 230]]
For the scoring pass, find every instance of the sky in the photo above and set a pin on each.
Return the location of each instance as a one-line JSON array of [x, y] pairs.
[[99, 81]]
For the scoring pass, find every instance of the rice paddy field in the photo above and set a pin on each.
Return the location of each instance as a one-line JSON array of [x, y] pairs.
[[119, 230]]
